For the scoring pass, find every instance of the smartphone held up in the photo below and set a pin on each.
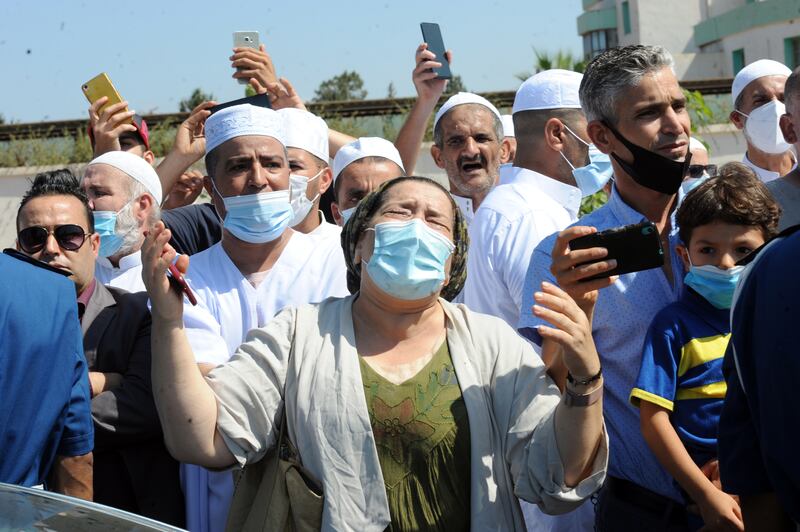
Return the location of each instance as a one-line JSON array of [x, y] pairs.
[[100, 86], [245, 39], [432, 35], [635, 247]]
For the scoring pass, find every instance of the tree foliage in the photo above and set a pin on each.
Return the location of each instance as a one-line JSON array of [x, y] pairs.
[[456, 84], [544, 60], [346, 86], [197, 97]]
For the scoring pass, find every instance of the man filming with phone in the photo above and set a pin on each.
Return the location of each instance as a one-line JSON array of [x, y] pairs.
[[637, 114]]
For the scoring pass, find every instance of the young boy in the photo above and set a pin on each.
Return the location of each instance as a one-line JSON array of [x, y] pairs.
[[680, 388]]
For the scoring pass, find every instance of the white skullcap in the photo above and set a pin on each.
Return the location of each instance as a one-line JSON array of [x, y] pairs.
[[695, 144], [755, 70], [365, 147], [460, 99], [306, 131], [508, 125], [549, 89], [242, 120], [136, 167]]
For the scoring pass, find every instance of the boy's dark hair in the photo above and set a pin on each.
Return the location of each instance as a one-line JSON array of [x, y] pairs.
[[735, 196], [57, 183]]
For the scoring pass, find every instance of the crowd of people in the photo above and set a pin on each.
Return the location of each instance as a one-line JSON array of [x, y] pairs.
[[430, 357]]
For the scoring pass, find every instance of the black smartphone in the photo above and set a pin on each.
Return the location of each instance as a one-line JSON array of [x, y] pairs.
[[432, 35], [260, 100], [636, 247]]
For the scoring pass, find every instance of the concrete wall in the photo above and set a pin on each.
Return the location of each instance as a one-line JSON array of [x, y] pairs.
[[670, 24], [763, 42], [718, 7]]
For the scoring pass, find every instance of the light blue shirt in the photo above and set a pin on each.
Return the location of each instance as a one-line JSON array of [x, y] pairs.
[[621, 319]]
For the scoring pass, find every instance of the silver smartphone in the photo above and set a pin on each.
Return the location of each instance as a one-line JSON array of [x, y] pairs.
[[245, 39]]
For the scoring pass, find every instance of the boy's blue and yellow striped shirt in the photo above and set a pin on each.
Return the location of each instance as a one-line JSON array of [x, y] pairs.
[[681, 370]]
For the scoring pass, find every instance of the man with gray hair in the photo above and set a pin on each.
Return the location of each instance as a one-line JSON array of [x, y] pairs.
[[125, 193], [637, 114]]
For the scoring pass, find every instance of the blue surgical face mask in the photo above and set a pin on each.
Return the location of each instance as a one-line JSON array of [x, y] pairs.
[[594, 176], [257, 218], [714, 284], [408, 259], [105, 224], [347, 213], [691, 183]]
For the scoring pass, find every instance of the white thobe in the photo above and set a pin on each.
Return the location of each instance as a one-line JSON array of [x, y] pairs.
[[228, 307], [509, 224], [128, 275], [465, 205], [763, 174], [327, 230]]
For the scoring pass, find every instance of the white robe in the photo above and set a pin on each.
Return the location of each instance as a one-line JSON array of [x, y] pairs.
[[228, 307], [127, 276]]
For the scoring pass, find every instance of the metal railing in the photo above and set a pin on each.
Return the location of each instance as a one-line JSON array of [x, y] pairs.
[[343, 109]]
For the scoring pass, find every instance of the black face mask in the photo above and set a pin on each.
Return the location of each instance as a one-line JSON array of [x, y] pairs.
[[650, 169]]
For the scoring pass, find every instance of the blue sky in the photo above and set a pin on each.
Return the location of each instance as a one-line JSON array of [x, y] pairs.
[[157, 52]]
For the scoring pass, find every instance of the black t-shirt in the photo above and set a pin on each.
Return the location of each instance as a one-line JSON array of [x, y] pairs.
[[194, 227]]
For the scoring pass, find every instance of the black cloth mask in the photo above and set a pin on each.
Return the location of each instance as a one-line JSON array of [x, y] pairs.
[[650, 169]]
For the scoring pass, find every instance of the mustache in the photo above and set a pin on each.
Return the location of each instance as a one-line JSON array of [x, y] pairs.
[[465, 160]]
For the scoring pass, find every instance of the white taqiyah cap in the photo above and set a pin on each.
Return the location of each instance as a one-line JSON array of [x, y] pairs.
[[243, 120], [365, 147], [306, 131], [508, 125], [460, 99], [755, 70], [695, 144], [549, 89], [136, 167]]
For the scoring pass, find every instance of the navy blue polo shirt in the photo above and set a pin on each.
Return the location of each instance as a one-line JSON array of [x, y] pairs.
[[759, 428], [44, 385]]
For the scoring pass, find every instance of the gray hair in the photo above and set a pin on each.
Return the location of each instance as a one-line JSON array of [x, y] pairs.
[[438, 134], [615, 70], [128, 225]]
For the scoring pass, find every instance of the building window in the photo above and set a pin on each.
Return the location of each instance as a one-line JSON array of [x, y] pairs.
[[738, 60], [791, 48], [626, 18], [596, 42]]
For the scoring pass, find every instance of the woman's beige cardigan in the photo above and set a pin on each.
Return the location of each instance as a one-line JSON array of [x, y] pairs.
[[509, 398]]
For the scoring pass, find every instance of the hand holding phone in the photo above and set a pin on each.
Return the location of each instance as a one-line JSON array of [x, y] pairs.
[[180, 285], [245, 39], [635, 247], [100, 86], [432, 35]]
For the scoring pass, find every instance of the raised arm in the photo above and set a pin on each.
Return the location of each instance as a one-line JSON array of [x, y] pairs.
[[579, 426], [429, 90], [189, 147], [569, 271], [186, 405]]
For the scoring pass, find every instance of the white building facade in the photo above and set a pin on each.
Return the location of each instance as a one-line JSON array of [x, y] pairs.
[[710, 39]]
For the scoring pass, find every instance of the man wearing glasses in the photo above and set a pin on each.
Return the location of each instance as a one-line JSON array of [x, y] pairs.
[[132, 469]]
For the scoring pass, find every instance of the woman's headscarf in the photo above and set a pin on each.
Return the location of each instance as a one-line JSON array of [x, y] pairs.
[[355, 226]]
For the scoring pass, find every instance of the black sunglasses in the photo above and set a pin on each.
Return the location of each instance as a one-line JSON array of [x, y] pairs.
[[69, 237], [696, 170]]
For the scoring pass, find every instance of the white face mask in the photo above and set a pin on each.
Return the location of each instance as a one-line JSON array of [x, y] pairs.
[[763, 129], [301, 205]]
